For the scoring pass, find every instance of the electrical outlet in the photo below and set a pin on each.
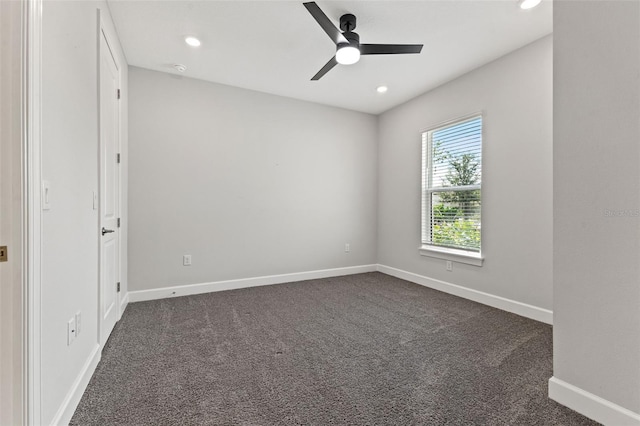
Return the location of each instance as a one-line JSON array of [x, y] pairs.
[[186, 260], [449, 265], [347, 248], [71, 330], [78, 323]]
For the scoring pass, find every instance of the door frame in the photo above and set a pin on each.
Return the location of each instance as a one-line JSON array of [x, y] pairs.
[[104, 30], [20, 58], [32, 211]]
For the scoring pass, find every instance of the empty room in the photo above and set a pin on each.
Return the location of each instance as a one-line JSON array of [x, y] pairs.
[[332, 212]]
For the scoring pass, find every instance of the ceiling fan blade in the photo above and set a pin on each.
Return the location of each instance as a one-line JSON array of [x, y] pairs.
[[332, 63], [389, 49], [326, 24]]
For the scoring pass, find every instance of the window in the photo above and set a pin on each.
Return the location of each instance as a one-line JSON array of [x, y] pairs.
[[452, 190]]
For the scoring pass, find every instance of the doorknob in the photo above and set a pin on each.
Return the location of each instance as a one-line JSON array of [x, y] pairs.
[[107, 231]]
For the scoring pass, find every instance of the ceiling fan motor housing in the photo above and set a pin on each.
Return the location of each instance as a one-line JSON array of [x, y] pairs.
[[352, 38]]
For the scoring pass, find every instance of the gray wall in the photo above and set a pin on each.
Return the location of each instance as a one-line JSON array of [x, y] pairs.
[[69, 237], [515, 95], [249, 184], [596, 168]]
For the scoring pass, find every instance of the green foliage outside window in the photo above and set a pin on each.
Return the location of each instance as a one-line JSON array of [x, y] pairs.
[[456, 215], [458, 233]]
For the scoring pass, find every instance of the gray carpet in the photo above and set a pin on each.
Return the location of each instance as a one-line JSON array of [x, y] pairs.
[[365, 349]]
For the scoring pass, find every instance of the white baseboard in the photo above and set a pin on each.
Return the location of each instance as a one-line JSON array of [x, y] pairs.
[[123, 304], [519, 308], [186, 290], [71, 401], [591, 405]]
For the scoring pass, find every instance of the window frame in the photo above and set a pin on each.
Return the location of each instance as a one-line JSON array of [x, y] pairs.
[[428, 249]]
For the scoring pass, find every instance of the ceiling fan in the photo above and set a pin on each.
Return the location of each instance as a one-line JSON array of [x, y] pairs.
[[348, 47]]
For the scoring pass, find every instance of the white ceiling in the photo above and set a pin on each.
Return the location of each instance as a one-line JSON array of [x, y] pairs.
[[276, 46]]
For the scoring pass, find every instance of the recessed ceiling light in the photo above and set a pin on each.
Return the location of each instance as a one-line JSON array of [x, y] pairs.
[[192, 41], [528, 4], [382, 89]]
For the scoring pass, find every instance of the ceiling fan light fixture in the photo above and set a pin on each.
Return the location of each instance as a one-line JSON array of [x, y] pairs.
[[347, 55], [528, 4]]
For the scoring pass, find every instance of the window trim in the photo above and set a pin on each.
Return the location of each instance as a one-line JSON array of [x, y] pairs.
[[448, 253]]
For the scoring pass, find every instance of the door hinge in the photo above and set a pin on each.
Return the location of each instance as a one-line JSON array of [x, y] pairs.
[[118, 287], [118, 93], [118, 158], [118, 222], [3, 253]]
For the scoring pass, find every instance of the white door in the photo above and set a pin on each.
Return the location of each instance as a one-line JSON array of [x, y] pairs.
[[109, 190]]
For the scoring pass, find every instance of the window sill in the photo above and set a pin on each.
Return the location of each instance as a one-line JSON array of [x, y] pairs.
[[460, 256]]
